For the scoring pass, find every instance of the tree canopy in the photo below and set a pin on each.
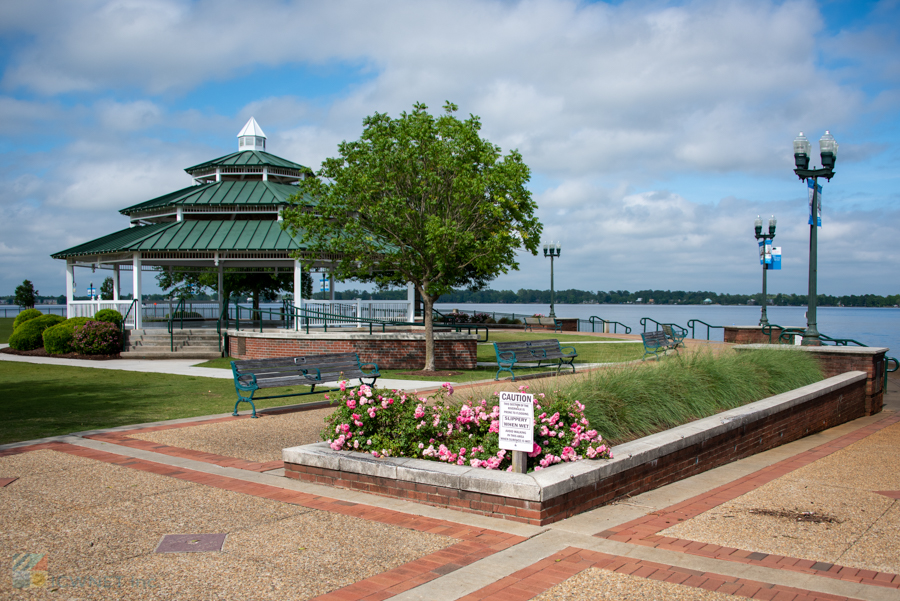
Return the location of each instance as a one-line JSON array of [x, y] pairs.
[[418, 199], [26, 295]]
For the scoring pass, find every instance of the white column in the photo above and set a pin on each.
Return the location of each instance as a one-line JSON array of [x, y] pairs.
[[265, 173], [70, 289], [136, 289], [411, 299], [221, 286], [298, 285], [179, 213], [116, 282]]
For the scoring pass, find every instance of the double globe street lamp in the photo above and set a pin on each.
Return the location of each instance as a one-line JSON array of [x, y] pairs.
[[828, 151], [551, 250], [766, 256]]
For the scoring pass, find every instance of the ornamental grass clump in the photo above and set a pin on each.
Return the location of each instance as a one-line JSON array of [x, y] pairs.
[[391, 423], [98, 338]]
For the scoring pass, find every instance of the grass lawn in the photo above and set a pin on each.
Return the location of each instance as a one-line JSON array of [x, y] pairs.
[[5, 328], [49, 400]]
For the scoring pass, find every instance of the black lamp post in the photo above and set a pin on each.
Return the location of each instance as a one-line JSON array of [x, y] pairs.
[[763, 319], [828, 151], [551, 250]]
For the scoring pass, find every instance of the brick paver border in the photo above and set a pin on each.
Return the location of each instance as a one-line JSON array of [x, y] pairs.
[[475, 543], [645, 531], [547, 573]]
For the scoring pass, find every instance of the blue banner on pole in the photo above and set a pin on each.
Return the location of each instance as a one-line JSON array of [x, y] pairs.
[[776, 258], [815, 213], [765, 252]]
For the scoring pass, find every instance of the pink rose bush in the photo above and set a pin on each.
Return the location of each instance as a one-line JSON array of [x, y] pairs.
[[392, 423]]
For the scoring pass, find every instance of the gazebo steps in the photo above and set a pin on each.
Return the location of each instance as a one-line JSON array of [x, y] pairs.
[[177, 354], [157, 343]]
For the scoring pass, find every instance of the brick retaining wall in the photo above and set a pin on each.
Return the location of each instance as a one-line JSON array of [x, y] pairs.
[[836, 360], [565, 490], [389, 351]]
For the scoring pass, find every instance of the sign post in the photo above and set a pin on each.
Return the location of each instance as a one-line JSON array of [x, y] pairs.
[[517, 427]]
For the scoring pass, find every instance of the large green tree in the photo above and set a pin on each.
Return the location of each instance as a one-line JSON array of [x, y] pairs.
[[419, 199], [26, 295]]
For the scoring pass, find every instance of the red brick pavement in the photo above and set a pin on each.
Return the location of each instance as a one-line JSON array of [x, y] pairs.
[[475, 543], [644, 531], [547, 573]]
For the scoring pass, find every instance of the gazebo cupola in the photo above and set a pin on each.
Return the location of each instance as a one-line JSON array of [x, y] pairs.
[[252, 137]]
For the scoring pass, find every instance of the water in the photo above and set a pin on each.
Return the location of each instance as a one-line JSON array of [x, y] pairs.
[[871, 326]]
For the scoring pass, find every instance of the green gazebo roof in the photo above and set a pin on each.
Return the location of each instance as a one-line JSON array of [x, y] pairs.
[[248, 158], [181, 236], [224, 193]]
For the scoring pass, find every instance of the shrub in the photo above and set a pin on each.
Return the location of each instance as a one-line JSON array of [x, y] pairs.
[[98, 338], [109, 316], [60, 339], [391, 423], [27, 336], [507, 320], [24, 316]]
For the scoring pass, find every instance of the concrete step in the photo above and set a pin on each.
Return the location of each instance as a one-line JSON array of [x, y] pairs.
[[166, 354]]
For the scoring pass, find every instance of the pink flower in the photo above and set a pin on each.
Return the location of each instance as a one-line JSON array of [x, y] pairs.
[[448, 387], [535, 451], [343, 385], [351, 404]]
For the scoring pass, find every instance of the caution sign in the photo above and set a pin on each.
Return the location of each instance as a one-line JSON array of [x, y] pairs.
[[516, 421]]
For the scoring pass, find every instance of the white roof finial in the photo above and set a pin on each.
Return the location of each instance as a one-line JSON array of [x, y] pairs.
[[251, 137]]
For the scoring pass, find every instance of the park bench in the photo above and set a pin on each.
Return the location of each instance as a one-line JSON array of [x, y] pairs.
[[676, 336], [510, 353], [545, 322], [657, 341], [251, 375]]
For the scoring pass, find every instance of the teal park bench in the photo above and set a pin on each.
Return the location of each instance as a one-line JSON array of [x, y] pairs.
[[510, 353], [544, 322], [656, 341], [251, 375], [675, 333]]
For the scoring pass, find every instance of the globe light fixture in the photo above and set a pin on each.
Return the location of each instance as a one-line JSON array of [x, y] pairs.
[[828, 152], [757, 226], [551, 250]]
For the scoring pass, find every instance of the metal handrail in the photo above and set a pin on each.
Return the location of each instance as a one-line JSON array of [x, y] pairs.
[[693, 322], [307, 314], [644, 321], [594, 319], [170, 324], [127, 313]]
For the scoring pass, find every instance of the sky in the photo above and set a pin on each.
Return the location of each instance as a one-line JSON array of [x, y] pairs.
[[655, 131]]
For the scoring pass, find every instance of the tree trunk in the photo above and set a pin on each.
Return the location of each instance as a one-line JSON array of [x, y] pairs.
[[256, 312], [428, 305]]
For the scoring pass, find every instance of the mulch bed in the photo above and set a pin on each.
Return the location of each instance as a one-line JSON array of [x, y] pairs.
[[42, 352]]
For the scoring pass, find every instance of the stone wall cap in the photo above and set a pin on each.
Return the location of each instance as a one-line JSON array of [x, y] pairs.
[[562, 478], [829, 350]]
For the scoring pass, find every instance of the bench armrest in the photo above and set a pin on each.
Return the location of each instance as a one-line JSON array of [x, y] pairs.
[[571, 350], [245, 382], [370, 372], [538, 353], [506, 357], [309, 376]]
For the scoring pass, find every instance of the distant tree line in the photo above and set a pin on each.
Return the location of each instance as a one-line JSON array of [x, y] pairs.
[[568, 297], [621, 297]]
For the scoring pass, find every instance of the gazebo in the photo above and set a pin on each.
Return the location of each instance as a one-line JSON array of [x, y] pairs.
[[229, 218]]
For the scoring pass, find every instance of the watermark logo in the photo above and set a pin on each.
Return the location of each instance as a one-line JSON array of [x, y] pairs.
[[29, 570]]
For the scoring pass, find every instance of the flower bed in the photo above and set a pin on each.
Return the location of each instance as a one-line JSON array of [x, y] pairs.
[[390, 423]]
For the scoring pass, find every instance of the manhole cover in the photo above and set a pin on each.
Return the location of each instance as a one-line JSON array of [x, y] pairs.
[[190, 543]]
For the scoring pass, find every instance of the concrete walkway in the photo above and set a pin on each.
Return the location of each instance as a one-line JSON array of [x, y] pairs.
[[97, 506]]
